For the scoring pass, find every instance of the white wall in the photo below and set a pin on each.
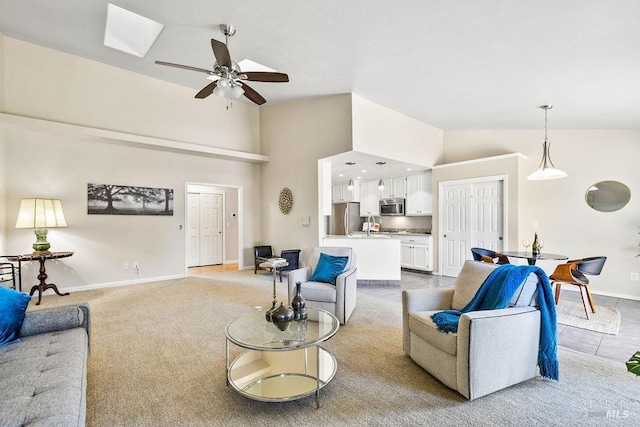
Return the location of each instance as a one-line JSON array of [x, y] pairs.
[[103, 243], [52, 85], [567, 225], [48, 164], [295, 136], [383, 132]]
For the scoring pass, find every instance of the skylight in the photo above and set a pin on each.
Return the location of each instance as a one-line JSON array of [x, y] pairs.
[[129, 32]]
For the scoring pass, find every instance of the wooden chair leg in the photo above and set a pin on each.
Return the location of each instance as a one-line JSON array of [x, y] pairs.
[[593, 306], [585, 300], [558, 286]]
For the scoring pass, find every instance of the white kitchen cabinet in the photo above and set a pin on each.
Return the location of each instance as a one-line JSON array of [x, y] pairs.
[[394, 188], [419, 199], [341, 193], [369, 198], [415, 253]]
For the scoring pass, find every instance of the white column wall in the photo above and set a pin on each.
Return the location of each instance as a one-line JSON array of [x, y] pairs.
[[295, 136]]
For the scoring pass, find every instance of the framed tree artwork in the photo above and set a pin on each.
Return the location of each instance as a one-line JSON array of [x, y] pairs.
[[109, 199]]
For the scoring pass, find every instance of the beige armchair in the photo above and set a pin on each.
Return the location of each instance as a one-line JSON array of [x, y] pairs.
[[492, 350], [338, 299]]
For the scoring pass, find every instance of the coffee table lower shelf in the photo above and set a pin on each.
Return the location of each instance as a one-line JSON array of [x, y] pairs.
[[280, 376]]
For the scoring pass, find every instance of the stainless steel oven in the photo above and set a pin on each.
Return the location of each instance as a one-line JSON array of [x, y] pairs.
[[390, 207]]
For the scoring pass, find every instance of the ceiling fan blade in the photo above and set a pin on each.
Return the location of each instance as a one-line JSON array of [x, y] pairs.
[[207, 90], [221, 53], [252, 94], [185, 67], [266, 76]]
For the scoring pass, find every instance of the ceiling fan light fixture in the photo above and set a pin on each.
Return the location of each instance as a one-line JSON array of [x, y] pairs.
[[220, 91], [546, 169], [237, 91]]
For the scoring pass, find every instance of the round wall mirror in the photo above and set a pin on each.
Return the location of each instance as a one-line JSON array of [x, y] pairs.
[[608, 196]]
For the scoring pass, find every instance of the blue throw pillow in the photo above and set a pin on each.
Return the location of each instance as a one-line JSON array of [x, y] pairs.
[[329, 267], [13, 305]]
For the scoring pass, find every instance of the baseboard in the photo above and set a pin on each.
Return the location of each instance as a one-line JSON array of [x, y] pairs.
[[230, 261], [116, 284]]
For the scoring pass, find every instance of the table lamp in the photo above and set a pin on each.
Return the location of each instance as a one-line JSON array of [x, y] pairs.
[[40, 214]]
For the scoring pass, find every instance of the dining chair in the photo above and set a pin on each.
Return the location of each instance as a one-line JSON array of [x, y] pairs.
[[487, 255], [574, 272]]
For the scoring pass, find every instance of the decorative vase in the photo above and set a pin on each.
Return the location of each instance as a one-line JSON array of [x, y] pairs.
[[298, 303], [282, 316]]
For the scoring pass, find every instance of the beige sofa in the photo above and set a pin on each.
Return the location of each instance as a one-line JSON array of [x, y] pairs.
[[492, 349]]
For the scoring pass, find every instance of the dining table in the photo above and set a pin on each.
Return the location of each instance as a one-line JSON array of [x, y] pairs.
[[532, 258]]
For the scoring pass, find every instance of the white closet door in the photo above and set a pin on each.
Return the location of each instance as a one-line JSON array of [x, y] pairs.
[[487, 215], [193, 229], [216, 229], [204, 228], [456, 231], [472, 215]]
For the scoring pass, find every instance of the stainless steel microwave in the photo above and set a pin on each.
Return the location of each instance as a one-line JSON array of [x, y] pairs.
[[389, 207]]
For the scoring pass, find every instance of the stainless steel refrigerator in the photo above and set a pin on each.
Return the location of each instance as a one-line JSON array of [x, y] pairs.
[[345, 218]]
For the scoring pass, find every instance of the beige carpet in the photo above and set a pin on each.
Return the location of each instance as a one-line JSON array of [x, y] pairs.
[[605, 319], [157, 359]]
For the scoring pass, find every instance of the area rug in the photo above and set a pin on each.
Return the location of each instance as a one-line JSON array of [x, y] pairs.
[[158, 359], [605, 319]]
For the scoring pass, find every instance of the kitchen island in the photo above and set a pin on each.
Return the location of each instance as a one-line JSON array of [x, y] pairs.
[[377, 256]]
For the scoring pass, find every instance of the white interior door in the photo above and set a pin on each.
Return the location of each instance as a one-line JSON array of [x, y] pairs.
[[204, 228], [487, 223], [216, 229], [193, 229], [456, 236], [472, 215]]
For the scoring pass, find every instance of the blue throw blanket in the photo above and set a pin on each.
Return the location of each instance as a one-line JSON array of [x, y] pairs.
[[496, 292]]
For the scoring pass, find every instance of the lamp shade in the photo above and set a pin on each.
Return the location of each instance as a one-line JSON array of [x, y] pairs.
[[40, 213]]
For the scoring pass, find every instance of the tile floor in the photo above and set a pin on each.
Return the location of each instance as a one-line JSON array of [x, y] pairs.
[[615, 347]]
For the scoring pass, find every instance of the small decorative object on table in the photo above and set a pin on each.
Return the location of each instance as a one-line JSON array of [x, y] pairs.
[[282, 316], [298, 303], [535, 248]]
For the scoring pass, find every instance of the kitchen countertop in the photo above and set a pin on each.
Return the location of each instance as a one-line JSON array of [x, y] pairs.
[[376, 235]]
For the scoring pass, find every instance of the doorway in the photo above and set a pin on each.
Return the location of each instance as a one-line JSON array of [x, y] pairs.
[[231, 227], [205, 238], [472, 214]]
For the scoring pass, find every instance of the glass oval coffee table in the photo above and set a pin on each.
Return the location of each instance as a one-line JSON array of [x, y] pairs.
[[279, 366]]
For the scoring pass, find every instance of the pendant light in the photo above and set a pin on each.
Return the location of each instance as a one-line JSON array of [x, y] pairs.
[[381, 182], [350, 184], [546, 169]]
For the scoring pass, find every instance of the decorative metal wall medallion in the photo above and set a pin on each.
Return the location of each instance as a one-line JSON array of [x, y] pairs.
[[285, 201]]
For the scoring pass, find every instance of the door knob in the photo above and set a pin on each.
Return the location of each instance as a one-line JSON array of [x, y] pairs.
[[445, 236]]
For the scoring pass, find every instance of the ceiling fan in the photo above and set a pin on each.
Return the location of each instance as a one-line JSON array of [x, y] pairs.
[[229, 80]]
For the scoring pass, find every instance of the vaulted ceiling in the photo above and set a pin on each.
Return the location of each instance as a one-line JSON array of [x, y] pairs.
[[452, 64]]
